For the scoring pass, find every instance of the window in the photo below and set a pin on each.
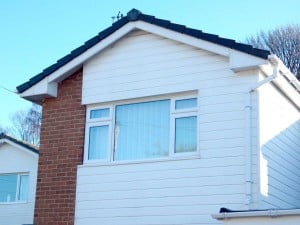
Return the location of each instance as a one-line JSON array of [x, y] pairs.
[[142, 130], [13, 187]]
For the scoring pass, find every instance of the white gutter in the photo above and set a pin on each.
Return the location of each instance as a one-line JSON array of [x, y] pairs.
[[263, 213], [248, 149]]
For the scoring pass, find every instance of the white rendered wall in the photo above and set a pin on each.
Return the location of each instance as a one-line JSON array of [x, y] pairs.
[[279, 163], [169, 191], [14, 160]]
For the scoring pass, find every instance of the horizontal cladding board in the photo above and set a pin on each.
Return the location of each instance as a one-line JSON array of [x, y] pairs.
[[148, 211], [164, 192], [162, 167], [225, 142], [148, 220], [163, 89], [104, 67], [23, 209], [206, 126], [184, 173], [224, 152], [134, 183], [206, 69], [225, 98], [221, 134], [171, 75], [208, 203], [161, 80]]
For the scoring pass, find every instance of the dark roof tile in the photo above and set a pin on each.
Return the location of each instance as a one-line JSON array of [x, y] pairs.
[[79, 50], [177, 27], [209, 37], [161, 22], [147, 18]]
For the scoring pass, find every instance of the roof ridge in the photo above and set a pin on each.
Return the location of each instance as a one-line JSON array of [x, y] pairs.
[[135, 15]]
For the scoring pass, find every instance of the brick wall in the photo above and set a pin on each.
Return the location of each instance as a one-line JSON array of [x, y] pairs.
[[61, 150]]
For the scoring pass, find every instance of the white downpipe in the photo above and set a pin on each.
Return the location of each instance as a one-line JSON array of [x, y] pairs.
[[248, 133]]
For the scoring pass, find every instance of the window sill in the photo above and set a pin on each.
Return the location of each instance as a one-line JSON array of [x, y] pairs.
[[128, 162], [13, 203]]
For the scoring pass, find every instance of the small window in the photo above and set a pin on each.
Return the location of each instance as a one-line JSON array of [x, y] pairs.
[[23, 187], [186, 103], [13, 187], [186, 134], [99, 113], [98, 142]]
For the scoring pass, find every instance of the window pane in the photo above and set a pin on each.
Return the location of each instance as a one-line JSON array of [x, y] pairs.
[[23, 188], [186, 134], [186, 103], [142, 130], [8, 186], [99, 113], [98, 143]]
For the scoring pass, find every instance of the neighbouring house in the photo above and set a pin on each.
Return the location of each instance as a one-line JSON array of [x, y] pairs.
[[152, 122], [18, 174]]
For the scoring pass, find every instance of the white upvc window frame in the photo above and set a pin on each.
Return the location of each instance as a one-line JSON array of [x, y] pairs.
[[98, 122], [110, 121], [17, 196], [182, 113]]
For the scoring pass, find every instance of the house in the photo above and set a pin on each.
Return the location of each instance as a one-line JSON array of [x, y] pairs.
[[18, 174], [152, 122]]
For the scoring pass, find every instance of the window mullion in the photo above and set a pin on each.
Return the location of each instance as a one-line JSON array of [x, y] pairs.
[[112, 145], [18, 187], [172, 128]]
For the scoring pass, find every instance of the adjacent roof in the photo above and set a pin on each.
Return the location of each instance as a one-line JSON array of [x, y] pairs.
[[135, 15], [24, 144]]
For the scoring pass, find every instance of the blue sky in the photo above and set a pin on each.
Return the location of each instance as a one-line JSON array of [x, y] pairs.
[[34, 34]]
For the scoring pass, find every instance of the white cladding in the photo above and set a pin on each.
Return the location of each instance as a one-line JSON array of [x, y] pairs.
[[168, 191], [280, 150], [143, 64], [16, 160]]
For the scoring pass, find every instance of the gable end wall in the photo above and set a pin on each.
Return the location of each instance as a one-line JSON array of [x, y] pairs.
[[61, 149]]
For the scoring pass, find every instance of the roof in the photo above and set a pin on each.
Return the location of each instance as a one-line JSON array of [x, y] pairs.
[[24, 144], [136, 15]]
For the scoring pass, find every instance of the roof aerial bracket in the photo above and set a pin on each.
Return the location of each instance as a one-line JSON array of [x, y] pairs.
[[117, 17]]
